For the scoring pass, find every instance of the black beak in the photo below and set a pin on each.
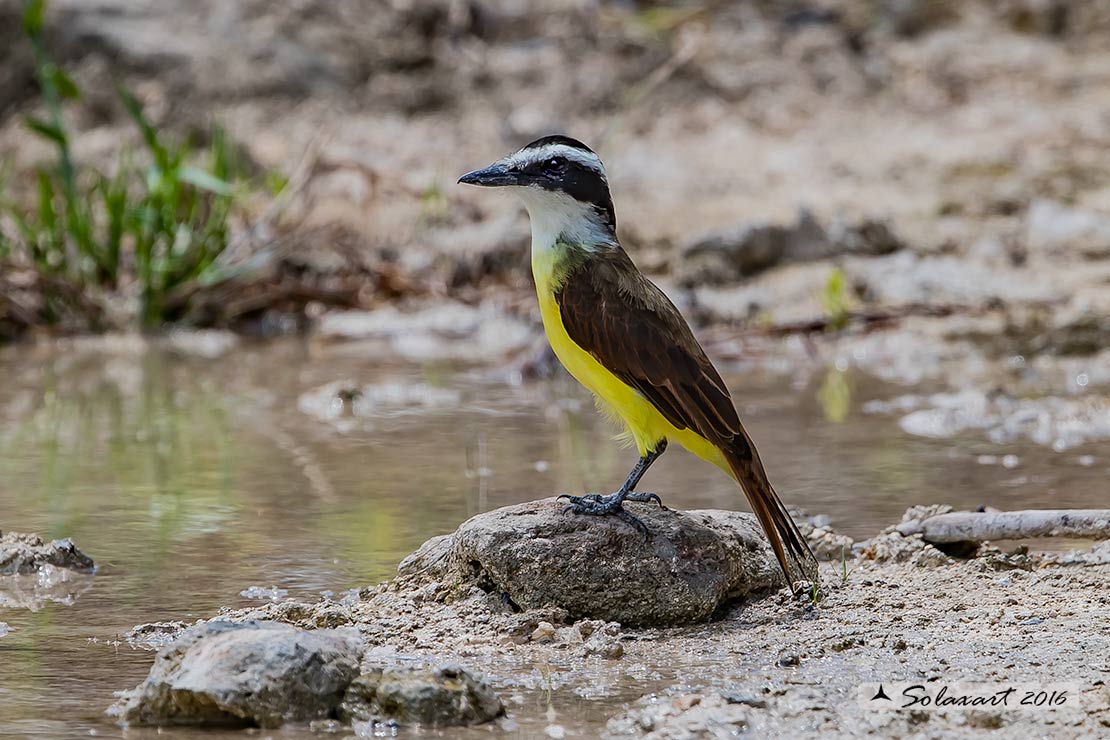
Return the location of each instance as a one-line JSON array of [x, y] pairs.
[[495, 176]]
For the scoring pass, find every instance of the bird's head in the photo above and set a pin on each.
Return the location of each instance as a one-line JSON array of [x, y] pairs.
[[563, 185]]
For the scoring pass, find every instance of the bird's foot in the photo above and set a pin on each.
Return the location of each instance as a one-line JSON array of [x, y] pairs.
[[594, 504]]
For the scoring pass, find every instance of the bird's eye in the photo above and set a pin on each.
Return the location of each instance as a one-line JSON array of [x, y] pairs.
[[554, 166]]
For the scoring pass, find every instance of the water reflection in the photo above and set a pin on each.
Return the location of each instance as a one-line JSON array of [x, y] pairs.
[[192, 480]]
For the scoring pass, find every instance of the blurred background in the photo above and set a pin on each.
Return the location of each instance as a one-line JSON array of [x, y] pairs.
[[252, 333]]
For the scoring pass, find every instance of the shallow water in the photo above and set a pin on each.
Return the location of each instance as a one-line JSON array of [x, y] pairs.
[[190, 480]]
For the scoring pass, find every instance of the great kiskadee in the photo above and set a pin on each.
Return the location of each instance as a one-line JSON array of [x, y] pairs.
[[622, 338]]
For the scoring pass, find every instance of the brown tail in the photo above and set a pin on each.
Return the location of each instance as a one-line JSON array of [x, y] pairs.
[[791, 549]]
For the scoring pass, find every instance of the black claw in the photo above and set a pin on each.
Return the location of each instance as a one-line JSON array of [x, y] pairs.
[[647, 498], [590, 497]]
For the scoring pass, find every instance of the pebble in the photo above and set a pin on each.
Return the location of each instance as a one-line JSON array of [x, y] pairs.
[[746, 700], [544, 632]]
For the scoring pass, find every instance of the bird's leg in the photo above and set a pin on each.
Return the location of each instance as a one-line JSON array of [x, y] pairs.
[[637, 473], [596, 504]]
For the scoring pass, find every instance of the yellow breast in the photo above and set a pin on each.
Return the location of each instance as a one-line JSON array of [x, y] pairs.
[[645, 425]]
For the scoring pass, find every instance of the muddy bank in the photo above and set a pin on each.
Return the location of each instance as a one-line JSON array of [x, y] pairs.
[[769, 664], [939, 154]]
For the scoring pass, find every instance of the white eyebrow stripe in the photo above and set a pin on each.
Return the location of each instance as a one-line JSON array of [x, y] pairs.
[[586, 159]]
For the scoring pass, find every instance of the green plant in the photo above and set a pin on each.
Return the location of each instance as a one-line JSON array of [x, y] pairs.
[[835, 300], [143, 230], [844, 569]]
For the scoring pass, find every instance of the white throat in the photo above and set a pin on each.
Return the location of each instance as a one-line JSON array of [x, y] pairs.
[[558, 218]]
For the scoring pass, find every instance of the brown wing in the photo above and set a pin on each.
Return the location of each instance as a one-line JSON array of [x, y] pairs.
[[617, 315]]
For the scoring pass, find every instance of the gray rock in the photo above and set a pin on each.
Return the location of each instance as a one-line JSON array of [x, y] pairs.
[[749, 249], [432, 695], [28, 553], [429, 560], [1099, 554], [602, 568], [34, 573], [249, 673]]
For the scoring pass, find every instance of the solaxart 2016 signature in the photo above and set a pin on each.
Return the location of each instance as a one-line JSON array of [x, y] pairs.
[[941, 695]]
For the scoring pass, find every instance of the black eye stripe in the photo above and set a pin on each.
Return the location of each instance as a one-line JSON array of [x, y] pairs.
[[582, 183]]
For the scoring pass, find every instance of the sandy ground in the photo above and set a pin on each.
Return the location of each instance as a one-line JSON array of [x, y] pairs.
[[776, 665]]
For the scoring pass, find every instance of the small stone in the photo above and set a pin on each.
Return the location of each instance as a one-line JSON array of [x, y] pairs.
[[154, 635], [28, 553], [260, 673], [893, 547], [789, 659], [587, 627], [746, 700], [441, 695], [544, 632], [603, 646]]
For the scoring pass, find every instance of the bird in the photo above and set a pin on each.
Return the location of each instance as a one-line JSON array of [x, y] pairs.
[[623, 339]]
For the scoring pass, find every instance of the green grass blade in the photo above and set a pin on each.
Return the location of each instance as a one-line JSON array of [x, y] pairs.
[[33, 13], [150, 135], [115, 212], [48, 216], [198, 178], [65, 85], [47, 130]]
